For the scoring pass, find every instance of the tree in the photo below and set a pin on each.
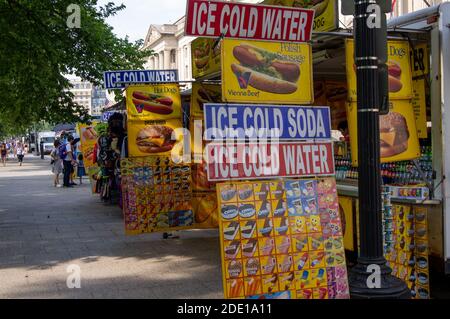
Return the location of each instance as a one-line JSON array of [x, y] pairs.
[[39, 45]]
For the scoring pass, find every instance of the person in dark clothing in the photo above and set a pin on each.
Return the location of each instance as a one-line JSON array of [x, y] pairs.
[[68, 161]]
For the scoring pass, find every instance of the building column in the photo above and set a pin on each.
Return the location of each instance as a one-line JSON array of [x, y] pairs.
[[161, 60], [156, 62], [166, 60]]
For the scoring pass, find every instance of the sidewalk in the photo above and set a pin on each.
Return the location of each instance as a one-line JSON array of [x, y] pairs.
[[44, 229]]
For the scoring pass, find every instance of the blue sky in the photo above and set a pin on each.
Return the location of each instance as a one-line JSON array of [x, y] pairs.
[[139, 14]]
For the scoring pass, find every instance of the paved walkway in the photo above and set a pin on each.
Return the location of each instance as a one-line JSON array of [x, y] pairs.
[[44, 229]]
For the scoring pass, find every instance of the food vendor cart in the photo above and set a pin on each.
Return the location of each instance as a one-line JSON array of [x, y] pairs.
[[418, 185]]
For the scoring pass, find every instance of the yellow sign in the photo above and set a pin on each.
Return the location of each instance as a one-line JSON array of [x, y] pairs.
[[197, 142], [205, 57], [266, 72], [154, 102], [88, 139], [398, 134], [399, 66], [204, 205], [420, 60], [419, 106], [204, 93], [346, 213], [154, 137], [326, 11]]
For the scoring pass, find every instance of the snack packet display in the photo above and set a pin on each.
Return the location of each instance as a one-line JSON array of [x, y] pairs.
[[156, 194], [409, 257], [276, 238]]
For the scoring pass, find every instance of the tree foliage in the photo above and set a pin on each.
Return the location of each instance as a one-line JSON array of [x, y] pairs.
[[38, 48]]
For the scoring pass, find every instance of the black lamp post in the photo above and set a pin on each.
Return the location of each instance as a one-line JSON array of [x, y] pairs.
[[371, 277]]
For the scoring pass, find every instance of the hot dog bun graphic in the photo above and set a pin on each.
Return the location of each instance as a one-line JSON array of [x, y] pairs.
[[394, 134], [318, 5], [395, 74], [152, 103], [155, 139], [268, 72]]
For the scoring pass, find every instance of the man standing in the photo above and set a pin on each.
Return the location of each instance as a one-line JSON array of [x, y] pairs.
[[69, 160]]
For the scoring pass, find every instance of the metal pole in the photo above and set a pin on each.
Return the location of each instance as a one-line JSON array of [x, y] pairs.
[[370, 278]]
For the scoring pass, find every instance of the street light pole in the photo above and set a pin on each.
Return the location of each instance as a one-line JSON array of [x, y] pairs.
[[371, 277]]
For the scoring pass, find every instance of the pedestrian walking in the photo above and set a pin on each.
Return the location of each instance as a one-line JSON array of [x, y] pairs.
[[11, 150], [73, 144], [80, 170], [57, 163], [66, 153], [3, 152], [20, 153]]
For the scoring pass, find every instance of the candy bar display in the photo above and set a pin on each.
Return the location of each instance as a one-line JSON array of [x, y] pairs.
[[409, 257], [157, 195], [282, 239]]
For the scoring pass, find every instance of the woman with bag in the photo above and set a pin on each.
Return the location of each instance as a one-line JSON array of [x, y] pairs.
[[57, 165]]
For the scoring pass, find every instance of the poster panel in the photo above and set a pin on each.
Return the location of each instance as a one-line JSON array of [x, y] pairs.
[[282, 240], [266, 72]]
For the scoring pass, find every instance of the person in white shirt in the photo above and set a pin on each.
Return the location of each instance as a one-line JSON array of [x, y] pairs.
[[20, 152]]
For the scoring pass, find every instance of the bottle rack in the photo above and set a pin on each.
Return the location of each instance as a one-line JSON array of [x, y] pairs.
[[415, 172]]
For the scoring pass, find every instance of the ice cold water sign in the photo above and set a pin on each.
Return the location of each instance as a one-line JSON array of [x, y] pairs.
[[237, 161], [248, 21]]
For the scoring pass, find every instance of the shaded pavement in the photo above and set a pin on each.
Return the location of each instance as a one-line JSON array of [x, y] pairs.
[[44, 229]]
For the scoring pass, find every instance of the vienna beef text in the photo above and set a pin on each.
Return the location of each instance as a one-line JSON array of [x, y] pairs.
[[260, 161], [247, 21]]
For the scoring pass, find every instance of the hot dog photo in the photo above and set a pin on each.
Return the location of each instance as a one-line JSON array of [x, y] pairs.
[[205, 57], [398, 65], [156, 101], [89, 134], [152, 103], [202, 94], [274, 72], [201, 53]]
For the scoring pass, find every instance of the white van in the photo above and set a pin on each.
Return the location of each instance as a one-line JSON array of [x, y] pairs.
[[48, 138]]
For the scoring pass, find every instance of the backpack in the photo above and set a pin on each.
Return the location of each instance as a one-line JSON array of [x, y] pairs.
[[62, 151]]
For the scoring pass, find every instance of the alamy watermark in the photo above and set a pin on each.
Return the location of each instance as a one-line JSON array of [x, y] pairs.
[[74, 278], [74, 19], [374, 279]]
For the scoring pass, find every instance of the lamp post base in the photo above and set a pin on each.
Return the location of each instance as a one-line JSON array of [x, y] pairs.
[[390, 287]]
